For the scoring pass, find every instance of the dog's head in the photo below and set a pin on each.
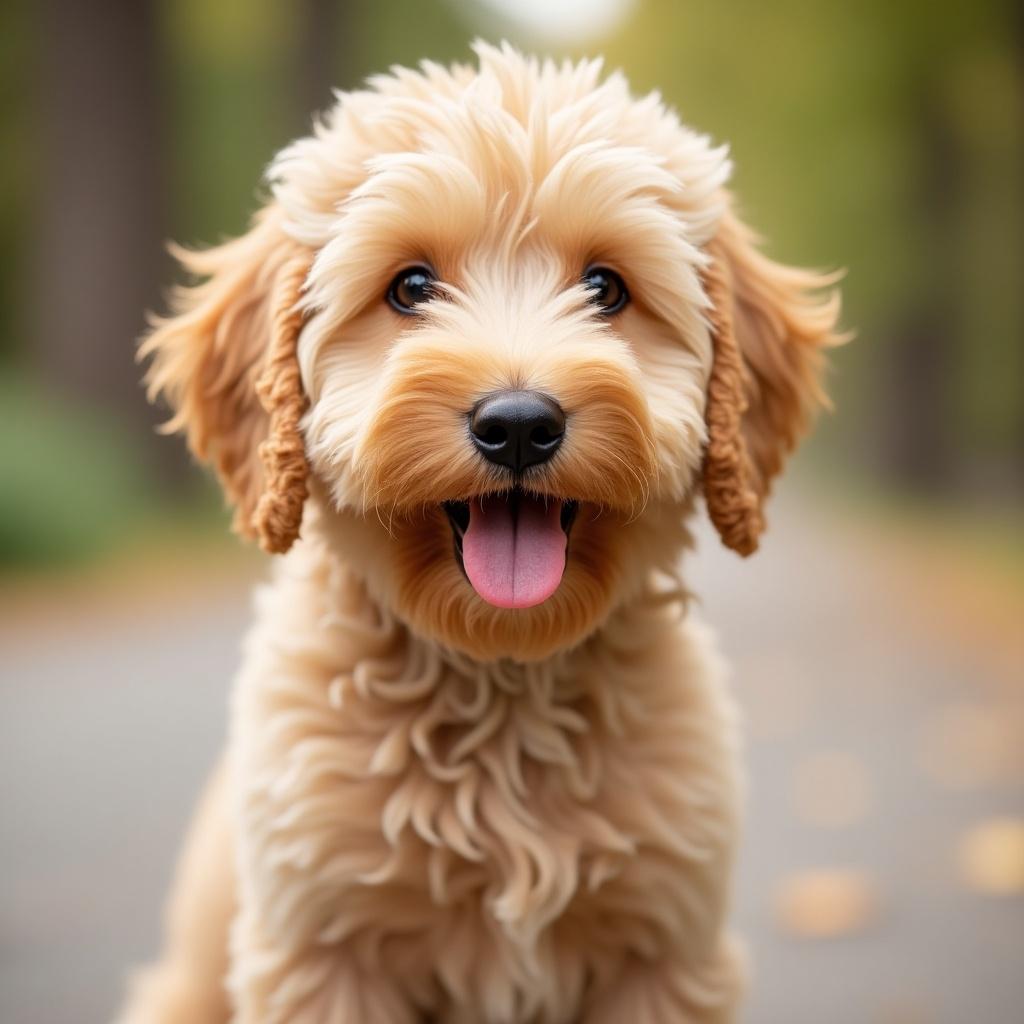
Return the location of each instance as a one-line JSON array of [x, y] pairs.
[[502, 324]]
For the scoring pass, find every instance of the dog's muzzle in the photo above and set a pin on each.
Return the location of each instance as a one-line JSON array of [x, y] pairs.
[[512, 546]]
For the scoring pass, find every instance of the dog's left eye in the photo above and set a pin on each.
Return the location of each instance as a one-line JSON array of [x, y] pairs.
[[608, 290], [411, 288]]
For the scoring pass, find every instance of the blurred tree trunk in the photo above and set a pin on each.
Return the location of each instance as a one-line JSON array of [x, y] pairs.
[[325, 29], [1018, 40], [919, 447], [100, 223]]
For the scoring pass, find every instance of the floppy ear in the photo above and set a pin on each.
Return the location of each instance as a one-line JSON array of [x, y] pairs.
[[769, 325], [225, 361]]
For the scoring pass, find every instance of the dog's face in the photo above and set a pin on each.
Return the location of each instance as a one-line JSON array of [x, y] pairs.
[[520, 326]]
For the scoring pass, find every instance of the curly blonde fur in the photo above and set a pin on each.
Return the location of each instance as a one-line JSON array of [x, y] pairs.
[[433, 808], [278, 515]]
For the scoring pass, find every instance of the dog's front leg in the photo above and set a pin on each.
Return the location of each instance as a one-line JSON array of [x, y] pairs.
[[670, 992]]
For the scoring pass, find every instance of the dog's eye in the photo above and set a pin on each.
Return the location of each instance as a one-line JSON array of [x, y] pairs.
[[608, 290], [411, 288]]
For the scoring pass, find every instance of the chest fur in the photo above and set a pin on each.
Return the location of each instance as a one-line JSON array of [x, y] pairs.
[[467, 818]]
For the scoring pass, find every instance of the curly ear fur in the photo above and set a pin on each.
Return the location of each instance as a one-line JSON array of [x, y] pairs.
[[769, 327], [225, 361]]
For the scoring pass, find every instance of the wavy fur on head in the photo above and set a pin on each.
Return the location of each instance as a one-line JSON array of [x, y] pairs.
[[439, 809]]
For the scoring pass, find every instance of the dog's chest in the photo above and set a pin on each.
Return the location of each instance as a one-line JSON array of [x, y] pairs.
[[506, 837], [498, 835], [492, 796], [422, 810]]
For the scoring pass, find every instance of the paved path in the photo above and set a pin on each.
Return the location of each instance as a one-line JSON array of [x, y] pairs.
[[879, 736]]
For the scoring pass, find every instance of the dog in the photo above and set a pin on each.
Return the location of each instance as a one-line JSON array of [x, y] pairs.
[[495, 332]]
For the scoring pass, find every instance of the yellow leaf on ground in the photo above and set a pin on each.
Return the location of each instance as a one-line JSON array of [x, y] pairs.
[[992, 856], [826, 903]]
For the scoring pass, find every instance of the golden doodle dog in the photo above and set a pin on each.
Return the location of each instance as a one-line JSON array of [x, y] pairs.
[[495, 331]]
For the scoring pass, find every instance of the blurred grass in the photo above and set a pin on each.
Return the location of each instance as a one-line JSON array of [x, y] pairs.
[[78, 487]]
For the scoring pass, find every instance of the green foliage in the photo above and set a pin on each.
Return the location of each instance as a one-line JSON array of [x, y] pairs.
[[71, 481], [76, 485], [824, 107], [402, 32], [229, 109], [233, 67]]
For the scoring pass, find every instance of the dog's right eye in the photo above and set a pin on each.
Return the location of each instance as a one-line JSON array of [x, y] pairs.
[[411, 288], [607, 289]]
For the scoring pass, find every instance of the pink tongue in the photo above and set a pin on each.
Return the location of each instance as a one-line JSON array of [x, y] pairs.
[[514, 559]]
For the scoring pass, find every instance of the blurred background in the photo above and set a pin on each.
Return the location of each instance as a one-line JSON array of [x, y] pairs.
[[878, 639]]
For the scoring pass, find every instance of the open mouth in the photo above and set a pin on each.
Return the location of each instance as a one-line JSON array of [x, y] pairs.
[[512, 547]]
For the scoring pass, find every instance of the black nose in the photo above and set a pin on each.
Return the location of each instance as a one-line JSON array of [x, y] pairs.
[[517, 429]]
